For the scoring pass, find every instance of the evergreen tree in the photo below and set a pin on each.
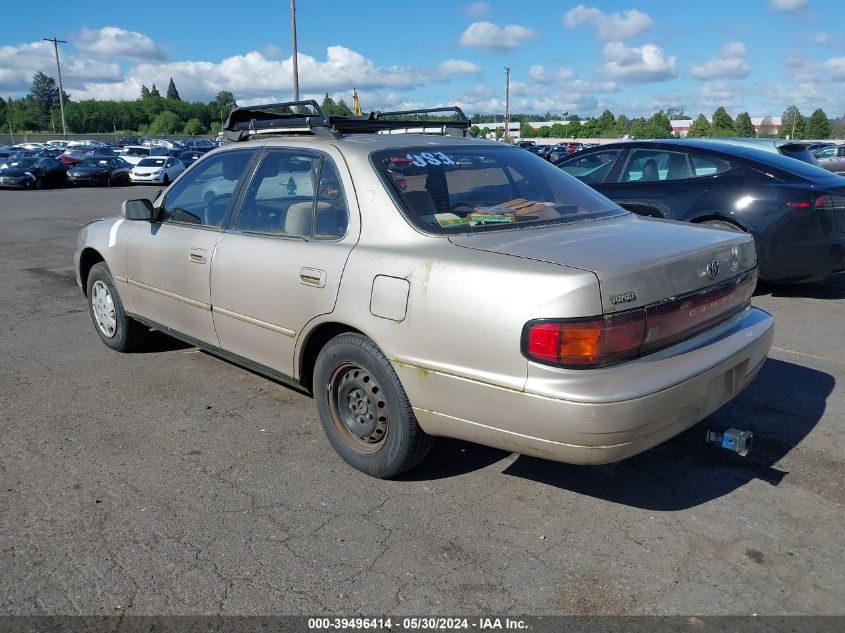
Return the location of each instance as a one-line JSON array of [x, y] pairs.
[[44, 92], [172, 93], [818, 127], [744, 126], [791, 123], [699, 128], [145, 92], [723, 124], [607, 124], [154, 91]]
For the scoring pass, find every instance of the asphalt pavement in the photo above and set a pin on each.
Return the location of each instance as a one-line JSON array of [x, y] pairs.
[[172, 482]]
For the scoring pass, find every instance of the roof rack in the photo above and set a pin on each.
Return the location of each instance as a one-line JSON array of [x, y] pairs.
[[291, 117]]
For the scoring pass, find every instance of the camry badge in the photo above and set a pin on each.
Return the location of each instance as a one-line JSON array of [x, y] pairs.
[[713, 269], [626, 297]]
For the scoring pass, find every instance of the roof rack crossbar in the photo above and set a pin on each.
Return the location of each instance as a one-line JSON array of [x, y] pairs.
[[259, 120]]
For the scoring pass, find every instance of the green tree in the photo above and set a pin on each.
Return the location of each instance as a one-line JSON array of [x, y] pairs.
[[791, 123], [166, 123], [573, 129], [607, 124], [640, 129], [677, 114], [766, 129], [700, 128], [172, 93], [723, 124], [194, 127], [591, 128], [154, 91], [743, 125], [145, 92], [526, 131], [623, 125], [44, 92], [661, 126], [818, 126]]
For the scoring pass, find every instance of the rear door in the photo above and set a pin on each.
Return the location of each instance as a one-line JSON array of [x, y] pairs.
[[661, 183], [280, 263]]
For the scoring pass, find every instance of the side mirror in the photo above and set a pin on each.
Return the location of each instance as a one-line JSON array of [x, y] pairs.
[[138, 210]]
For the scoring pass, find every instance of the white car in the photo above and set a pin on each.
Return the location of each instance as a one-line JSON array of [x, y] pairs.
[[159, 169]]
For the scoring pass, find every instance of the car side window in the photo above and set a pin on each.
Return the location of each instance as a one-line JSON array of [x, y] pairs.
[[592, 168], [295, 193], [204, 195], [708, 166], [651, 165]]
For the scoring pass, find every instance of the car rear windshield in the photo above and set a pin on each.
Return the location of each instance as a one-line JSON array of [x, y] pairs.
[[476, 188], [137, 151], [151, 162]]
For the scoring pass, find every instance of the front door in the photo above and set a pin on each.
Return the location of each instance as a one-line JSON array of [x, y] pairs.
[[280, 263], [168, 263]]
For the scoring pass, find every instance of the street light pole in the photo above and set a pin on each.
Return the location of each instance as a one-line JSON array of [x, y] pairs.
[[59, 70], [507, 101], [293, 40]]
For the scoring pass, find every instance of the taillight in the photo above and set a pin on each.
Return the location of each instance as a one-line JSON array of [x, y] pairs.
[[818, 203], [593, 342], [610, 339]]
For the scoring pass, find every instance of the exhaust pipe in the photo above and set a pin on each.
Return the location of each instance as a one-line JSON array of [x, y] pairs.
[[733, 440]]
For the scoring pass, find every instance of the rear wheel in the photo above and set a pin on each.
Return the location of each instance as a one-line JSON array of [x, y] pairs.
[[118, 331], [364, 409]]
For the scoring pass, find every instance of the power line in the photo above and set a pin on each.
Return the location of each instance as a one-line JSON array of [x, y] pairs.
[[61, 89]]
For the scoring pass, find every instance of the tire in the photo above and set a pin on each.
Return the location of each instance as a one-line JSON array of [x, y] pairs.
[[115, 329], [107, 181], [364, 410], [39, 184], [166, 180], [722, 224]]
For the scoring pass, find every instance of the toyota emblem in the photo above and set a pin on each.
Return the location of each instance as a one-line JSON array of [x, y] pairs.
[[713, 269]]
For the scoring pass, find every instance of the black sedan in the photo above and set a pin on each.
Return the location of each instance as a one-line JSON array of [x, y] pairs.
[[103, 171], [33, 173], [200, 145], [795, 211]]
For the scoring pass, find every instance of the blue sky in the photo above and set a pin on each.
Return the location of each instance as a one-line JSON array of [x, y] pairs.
[[632, 56]]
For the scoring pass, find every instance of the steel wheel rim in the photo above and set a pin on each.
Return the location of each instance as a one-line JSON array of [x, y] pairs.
[[103, 306], [358, 408]]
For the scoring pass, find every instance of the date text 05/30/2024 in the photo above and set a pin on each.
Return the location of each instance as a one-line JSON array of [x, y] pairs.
[[416, 624]]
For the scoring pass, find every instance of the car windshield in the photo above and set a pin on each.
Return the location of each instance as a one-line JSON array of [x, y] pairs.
[[483, 187], [152, 162], [22, 163], [137, 151], [94, 162]]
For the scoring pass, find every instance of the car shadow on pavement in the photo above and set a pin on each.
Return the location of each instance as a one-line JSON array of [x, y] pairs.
[[831, 288], [157, 342], [450, 458], [781, 407]]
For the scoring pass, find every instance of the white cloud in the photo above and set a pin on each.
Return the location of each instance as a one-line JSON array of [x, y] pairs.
[[721, 93], [496, 38], [639, 65], [788, 5], [609, 26], [835, 67], [19, 63], [452, 67], [477, 10], [537, 72], [729, 62], [111, 41]]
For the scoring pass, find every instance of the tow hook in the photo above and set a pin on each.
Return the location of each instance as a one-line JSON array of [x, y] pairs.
[[733, 440]]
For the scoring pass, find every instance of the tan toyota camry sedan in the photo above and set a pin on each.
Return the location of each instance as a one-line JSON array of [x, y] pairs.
[[424, 285]]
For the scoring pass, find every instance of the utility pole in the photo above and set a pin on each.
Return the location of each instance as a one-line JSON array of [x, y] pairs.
[[507, 101], [293, 40], [59, 69]]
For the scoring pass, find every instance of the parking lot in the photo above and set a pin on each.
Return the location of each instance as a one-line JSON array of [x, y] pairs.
[[172, 482]]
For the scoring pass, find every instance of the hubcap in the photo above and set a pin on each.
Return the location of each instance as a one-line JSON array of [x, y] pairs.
[[103, 306], [358, 407]]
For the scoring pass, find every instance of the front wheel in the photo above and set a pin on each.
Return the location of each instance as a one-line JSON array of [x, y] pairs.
[[166, 180], [118, 331], [722, 224], [364, 409]]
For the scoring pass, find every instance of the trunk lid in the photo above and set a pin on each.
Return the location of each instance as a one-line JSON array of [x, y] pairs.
[[638, 261]]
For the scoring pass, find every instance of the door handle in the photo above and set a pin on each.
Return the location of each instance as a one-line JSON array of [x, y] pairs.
[[197, 255], [312, 277]]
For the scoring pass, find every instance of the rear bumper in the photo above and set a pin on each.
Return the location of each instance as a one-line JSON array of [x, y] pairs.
[[597, 416]]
